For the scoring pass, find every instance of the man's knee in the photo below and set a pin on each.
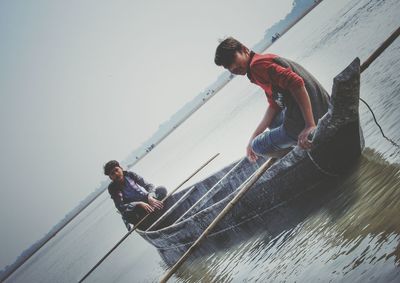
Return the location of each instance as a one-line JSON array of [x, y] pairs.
[[262, 147], [257, 147], [160, 192]]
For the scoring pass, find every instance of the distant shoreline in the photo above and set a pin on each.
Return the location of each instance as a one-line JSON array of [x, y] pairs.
[[218, 85]]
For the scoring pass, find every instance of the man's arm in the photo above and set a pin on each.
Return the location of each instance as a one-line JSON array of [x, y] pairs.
[[123, 208], [120, 205], [142, 182], [303, 100], [117, 199], [151, 197], [285, 78], [266, 121]]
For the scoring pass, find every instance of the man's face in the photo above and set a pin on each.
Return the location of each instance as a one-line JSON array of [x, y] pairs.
[[117, 174], [239, 63]]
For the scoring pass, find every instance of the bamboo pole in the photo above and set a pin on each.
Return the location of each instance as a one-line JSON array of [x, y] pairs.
[[140, 222], [380, 49], [242, 190]]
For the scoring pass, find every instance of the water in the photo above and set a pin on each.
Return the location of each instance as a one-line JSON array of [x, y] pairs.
[[352, 234]]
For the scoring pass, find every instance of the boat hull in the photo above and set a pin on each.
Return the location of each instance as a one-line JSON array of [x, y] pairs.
[[281, 197]]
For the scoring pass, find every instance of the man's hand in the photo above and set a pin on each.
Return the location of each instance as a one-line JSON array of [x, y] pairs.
[[155, 203], [250, 153], [303, 140], [148, 208]]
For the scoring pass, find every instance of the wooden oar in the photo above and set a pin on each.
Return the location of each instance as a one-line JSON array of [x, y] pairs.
[[380, 50], [368, 62], [144, 218], [242, 190]]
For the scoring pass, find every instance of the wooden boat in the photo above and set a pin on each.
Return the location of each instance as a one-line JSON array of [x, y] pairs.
[[271, 203]]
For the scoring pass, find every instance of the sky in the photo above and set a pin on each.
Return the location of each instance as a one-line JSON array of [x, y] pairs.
[[83, 82]]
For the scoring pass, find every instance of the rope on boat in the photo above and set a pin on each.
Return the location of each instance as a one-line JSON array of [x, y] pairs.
[[368, 62], [319, 167], [135, 227], [228, 228], [363, 67], [379, 126], [210, 193]]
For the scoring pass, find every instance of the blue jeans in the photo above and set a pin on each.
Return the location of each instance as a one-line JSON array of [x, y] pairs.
[[273, 140]]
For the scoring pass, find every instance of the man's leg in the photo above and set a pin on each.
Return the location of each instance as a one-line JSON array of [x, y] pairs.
[[134, 216], [275, 142], [138, 214]]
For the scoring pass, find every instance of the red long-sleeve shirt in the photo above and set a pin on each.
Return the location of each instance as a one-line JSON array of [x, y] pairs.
[[264, 72]]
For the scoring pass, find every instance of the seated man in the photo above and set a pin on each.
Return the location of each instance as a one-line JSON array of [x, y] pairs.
[[132, 195], [296, 99]]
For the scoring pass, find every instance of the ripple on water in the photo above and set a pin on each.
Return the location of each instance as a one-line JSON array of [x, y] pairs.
[[354, 236]]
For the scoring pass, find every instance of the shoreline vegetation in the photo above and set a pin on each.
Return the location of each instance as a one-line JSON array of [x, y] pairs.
[[300, 9]]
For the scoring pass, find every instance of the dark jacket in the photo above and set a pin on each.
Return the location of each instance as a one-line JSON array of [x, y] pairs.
[[123, 205]]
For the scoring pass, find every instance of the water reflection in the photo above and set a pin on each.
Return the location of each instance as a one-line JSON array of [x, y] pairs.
[[347, 229]]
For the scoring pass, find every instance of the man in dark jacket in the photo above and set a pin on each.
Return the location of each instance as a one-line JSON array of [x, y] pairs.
[[132, 195]]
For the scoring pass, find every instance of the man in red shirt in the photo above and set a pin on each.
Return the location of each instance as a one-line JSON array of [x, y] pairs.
[[296, 99]]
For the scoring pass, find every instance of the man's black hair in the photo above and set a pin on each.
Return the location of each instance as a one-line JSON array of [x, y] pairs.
[[109, 166], [226, 50]]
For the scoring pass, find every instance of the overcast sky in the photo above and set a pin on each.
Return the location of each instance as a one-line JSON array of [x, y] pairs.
[[82, 82]]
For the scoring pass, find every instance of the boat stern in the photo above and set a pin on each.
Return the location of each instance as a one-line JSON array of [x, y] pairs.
[[338, 140]]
